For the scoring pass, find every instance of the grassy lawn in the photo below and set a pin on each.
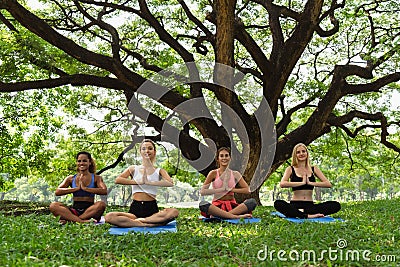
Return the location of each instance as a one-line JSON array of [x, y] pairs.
[[369, 237]]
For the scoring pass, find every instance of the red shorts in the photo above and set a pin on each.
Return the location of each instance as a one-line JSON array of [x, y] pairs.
[[226, 205]]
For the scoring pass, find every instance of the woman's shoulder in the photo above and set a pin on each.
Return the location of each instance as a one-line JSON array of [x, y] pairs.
[[131, 168], [314, 167], [161, 170], [96, 177], [236, 173], [213, 173], [290, 168], [129, 171]]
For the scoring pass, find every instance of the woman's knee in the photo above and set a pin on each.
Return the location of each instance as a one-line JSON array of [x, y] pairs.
[[175, 212], [171, 212], [204, 206], [100, 205], [336, 205], [279, 204], [109, 216], [251, 204], [54, 206]]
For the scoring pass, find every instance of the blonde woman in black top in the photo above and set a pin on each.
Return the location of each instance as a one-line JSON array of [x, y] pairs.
[[301, 177]]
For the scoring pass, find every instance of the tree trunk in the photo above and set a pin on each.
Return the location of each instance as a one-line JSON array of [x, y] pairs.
[[224, 55], [318, 194]]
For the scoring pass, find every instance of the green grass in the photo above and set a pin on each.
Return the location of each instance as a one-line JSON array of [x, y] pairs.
[[370, 227]]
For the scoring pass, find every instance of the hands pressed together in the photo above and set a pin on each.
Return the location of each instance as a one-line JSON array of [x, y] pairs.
[[306, 180], [145, 179], [80, 185], [225, 184]]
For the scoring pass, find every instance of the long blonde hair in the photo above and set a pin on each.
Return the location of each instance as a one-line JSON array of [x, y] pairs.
[[294, 155]]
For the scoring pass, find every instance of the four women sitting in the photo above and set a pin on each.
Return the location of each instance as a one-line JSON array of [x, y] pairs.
[[146, 178]]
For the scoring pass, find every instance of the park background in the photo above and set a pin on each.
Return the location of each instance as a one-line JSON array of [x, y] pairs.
[[71, 76], [43, 128]]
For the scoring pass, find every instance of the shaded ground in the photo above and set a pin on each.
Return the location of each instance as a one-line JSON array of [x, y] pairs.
[[15, 208]]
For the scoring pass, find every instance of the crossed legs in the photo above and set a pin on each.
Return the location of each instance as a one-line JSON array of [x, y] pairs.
[[125, 219], [243, 210], [311, 210], [66, 215]]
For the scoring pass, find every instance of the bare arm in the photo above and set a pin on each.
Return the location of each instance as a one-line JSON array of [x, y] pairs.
[[243, 186], [205, 189], [64, 188], [165, 181], [285, 183], [125, 177], [324, 181], [101, 188]]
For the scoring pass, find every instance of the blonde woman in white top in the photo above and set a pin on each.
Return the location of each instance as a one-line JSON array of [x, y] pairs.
[[144, 179]]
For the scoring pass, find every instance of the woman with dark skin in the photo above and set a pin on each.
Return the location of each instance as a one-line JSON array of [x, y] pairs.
[[84, 185], [301, 177], [144, 179], [225, 183]]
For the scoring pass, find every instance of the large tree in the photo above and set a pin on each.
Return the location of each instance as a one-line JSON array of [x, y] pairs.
[[316, 65]]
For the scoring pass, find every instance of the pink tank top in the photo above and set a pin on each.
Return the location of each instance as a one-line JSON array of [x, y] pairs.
[[217, 183]]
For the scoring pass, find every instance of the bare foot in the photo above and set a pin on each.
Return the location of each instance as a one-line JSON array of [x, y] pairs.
[[139, 222], [244, 216], [318, 215]]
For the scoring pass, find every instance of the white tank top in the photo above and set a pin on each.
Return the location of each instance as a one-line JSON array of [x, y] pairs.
[[149, 189]]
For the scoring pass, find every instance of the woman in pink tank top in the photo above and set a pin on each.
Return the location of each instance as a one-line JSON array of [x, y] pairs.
[[225, 183]]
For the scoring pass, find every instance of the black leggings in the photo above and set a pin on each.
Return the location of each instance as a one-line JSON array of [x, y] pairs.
[[291, 209]]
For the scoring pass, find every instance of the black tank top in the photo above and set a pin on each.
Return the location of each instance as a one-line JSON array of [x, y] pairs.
[[295, 178]]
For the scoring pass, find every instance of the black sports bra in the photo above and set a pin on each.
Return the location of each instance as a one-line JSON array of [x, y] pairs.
[[295, 178]]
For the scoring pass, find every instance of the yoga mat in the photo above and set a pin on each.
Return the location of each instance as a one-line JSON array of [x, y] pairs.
[[234, 221], [170, 227], [325, 219]]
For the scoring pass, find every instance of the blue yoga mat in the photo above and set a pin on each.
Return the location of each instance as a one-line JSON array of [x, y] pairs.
[[234, 221], [170, 227], [325, 219]]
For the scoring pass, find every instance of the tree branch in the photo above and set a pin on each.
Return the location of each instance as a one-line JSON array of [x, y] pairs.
[[43, 30], [374, 86], [77, 80], [282, 125], [204, 29], [333, 20], [115, 43], [162, 33], [341, 120], [119, 158]]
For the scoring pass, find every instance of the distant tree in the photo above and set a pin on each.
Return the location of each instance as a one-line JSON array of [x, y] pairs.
[[28, 127]]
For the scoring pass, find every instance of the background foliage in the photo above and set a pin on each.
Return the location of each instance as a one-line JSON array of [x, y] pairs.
[[43, 129]]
